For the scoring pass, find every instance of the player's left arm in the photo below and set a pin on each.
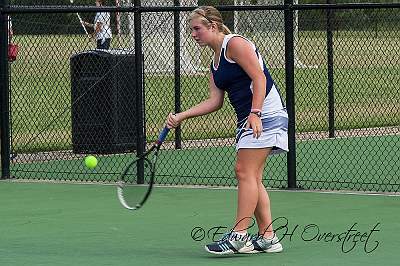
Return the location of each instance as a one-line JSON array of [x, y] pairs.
[[242, 52]]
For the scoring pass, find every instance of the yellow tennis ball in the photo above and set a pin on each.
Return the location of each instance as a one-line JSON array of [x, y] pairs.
[[90, 161]]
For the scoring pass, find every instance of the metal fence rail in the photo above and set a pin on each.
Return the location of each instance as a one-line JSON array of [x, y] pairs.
[[338, 67]]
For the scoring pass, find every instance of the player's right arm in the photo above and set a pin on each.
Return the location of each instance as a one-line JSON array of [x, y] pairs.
[[213, 103]]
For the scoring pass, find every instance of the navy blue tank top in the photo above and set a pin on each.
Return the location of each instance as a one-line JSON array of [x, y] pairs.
[[230, 77]]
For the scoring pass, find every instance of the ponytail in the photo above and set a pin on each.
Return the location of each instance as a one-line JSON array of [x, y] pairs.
[[225, 29]]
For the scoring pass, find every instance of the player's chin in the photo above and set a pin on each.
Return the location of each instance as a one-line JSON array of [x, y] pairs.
[[201, 44]]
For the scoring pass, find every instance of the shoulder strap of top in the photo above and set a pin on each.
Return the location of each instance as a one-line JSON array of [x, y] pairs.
[[227, 39]]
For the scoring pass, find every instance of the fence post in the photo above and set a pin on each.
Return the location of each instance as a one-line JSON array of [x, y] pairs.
[[4, 95], [329, 49], [139, 65], [177, 74], [290, 93]]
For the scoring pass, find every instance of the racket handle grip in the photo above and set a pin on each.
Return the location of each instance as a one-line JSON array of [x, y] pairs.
[[163, 135]]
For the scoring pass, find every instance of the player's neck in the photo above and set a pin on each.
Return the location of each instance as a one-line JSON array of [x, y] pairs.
[[217, 43]]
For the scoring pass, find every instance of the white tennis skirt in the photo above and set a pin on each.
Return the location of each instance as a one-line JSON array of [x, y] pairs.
[[274, 134]]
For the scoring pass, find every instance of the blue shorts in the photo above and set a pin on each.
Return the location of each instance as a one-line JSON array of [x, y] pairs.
[[103, 44]]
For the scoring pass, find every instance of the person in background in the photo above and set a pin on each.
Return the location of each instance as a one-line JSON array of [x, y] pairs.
[[102, 28]]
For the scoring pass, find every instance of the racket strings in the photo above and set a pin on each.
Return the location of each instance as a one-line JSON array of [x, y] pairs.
[[133, 176], [135, 188]]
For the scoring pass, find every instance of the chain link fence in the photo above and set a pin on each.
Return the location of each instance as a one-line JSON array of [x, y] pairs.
[[349, 113], [68, 99]]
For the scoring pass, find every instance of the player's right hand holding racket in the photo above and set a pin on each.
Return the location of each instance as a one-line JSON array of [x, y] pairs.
[[136, 181], [174, 120]]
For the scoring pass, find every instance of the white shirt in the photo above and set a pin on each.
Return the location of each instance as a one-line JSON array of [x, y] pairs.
[[105, 31]]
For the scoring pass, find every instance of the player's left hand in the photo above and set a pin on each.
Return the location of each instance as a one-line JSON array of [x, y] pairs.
[[254, 122]]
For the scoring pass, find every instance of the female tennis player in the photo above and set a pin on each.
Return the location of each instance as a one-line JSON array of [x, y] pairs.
[[262, 120]]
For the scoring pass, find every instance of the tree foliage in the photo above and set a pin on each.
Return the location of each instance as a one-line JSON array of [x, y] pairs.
[[67, 23]]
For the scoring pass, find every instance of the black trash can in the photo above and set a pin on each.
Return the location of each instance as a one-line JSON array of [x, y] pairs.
[[103, 97]]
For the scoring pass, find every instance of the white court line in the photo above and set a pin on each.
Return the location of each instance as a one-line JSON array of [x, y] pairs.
[[338, 192]]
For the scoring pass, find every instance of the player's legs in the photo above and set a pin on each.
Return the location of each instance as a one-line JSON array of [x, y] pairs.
[[252, 200], [263, 212], [249, 168]]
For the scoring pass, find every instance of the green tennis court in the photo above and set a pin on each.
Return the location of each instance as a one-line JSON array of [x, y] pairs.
[[75, 224], [54, 211]]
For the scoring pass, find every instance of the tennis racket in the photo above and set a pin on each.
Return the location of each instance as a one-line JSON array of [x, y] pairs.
[[136, 181], [80, 20]]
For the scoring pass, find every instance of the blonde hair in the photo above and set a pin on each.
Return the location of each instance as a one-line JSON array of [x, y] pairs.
[[208, 15]]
